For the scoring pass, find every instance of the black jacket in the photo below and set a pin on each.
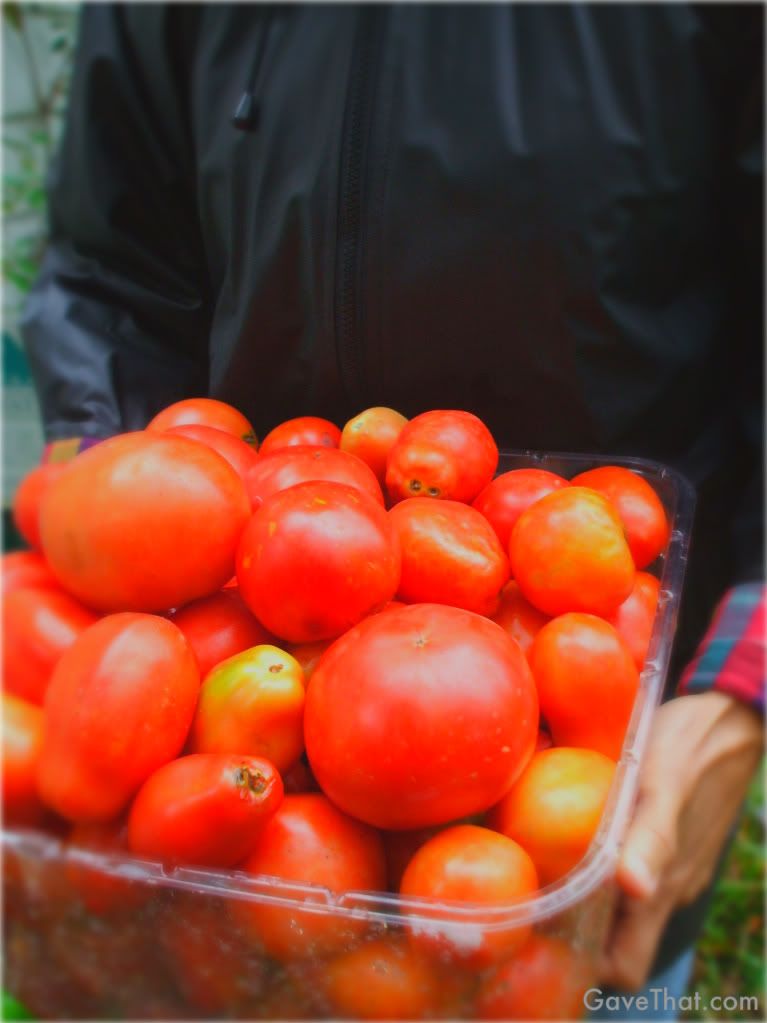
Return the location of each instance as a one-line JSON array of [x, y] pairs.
[[549, 215]]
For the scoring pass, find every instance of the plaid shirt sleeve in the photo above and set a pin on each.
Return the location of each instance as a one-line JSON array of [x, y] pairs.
[[731, 656]]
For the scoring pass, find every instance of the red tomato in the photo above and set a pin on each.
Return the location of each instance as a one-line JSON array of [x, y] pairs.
[[447, 454], [310, 841], [505, 498], [304, 430], [22, 569], [568, 553], [554, 808], [144, 521], [308, 655], [38, 626], [450, 555], [543, 741], [299, 778], [400, 847], [470, 864], [119, 705], [442, 711], [205, 412], [99, 891], [635, 617], [239, 454], [22, 731], [218, 627], [252, 703], [640, 509], [284, 468], [28, 498], [547, 979], [518, 617], [587, 682], [206, 809], [371, 436], [317, 558]]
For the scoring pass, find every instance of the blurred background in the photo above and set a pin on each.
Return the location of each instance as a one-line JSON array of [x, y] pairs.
[[37, 49]]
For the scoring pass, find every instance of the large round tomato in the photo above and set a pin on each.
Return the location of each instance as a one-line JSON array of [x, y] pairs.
[[317, 558], [28, 498], [450, 555], [218, 627], [447, 454], [22, 731], [22, 569], [205, 412], [429, 702], [239, 454], [38, 626], [371, 435], [518, 617], [301, 431], [505, 498], [288, 466], [310, 841], [144, 521], [119, 705]]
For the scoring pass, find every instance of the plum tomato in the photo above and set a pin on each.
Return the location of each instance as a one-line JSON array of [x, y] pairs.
[[505, 498], [518, 617], [239, 454], [205, 412], [22, 732], [28, 498], [371, 436], [301, 431], [635, 617], [288, 466]]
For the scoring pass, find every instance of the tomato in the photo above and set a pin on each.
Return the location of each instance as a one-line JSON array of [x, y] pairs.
[[119, 705], [252, 703], [587, 682], [38, 626], [640, 508], [27, 500], [205, 412], [518, 617], [554, 808], [400, 847], [99, 891], [299, 778], [310, 841], [450, 555], [470, 864], [305, 430], [420, 716], [218, 627], [505, 498], [144, 521], [206, 809], [288, 466], [371, 436], [568, 553], [22, 569], [239, 454], [381, 980], [317, 558], [635, 617], [22, 732], [547, 979], [308, 655], [447, 454]]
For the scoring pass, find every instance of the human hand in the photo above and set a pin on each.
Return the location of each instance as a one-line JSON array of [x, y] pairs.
[[702, 754]]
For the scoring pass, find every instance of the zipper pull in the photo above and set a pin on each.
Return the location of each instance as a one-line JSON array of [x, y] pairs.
[[245, 117]]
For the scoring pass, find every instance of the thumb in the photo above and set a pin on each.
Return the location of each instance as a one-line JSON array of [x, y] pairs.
[[651, 842]]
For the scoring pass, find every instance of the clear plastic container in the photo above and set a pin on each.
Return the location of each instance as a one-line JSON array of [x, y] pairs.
[[91, 935]]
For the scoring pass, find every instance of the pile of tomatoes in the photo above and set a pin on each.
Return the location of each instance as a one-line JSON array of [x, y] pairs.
[[357, 659]]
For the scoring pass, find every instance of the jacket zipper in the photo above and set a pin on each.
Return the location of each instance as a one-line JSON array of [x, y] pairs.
[[351, 195]]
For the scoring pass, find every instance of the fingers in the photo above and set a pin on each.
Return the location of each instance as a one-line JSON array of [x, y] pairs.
[[631, 949], [651, 842]]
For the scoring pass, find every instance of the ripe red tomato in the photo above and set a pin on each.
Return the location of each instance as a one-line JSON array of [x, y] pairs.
[[470, 864], [554, 808], [371, 436], [304, 430], [310, 841], [22, 732], [299, 778], [144, 521], [38, 626], [447, 454], [239, 454], [308, 655], [218, 627], [640, 508], [118, 706], [635, 617], [568, 553], [289, 466], [206, 809], [450, 555], [23, 569], [205, 412], [99, 891], [505, 498], [315, 559], [28, 498], [442, 711], [587, 682], [252, 703], [518, 617]]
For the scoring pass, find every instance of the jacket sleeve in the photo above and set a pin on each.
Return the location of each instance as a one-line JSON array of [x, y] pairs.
[[117, 323]]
